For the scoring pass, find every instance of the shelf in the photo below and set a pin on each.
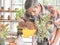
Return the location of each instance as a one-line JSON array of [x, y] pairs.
[[5, 20], [17, 4], [8, 11], [12, 33]]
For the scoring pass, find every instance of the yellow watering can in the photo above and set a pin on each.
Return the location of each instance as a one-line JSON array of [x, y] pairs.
[[28, 32]]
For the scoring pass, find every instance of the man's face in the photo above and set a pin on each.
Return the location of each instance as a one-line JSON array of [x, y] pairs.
[[34, 10]]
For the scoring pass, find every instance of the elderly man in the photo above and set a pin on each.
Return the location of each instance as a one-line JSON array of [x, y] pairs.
[[34, 11]]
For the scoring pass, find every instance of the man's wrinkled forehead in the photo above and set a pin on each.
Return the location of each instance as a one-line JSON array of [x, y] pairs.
[[31, 8], [30, 3]]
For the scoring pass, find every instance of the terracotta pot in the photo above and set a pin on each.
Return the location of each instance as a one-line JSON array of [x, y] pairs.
[[9, 17], [9, 10], [16, 18], [2, 17], [2, 9]]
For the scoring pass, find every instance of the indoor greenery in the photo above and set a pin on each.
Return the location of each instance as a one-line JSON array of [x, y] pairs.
[[4, 30], [42, 31], [19, 13], [5, 33]]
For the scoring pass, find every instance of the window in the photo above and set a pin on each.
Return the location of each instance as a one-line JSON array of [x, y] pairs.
[[55, 3], [49, 2], [11, 4]]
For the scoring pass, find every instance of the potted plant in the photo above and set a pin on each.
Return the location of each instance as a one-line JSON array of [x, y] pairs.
[[42, 33], [3, 33], [19, 13]]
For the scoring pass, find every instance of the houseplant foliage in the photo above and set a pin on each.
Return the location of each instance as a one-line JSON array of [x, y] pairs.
[[3, 36], [4, 30], [42, 31], [19, 13], [3, 33]]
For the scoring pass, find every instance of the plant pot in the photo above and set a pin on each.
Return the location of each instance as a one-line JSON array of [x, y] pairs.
[[39, 41], [9, 17], [2, 9], [9, 10], [45, 43], [2, 41], [2, 17], [42, 42], [16, 18]]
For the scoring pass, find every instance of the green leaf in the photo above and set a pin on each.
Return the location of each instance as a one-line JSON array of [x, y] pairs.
[[20, 12]]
